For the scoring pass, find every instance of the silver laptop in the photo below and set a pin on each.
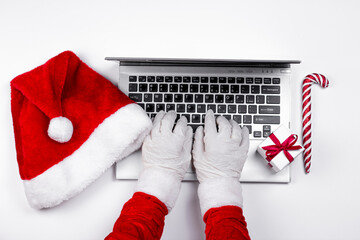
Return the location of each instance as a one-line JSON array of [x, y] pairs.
[[255, 93]]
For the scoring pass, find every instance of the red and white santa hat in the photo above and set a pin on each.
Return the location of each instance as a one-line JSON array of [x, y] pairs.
[[70, 124]]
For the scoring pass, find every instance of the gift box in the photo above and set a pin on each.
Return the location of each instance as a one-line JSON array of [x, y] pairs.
[[280, 148]]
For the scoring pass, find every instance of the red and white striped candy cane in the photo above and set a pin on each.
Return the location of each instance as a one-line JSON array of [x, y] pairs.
[[306, 97]]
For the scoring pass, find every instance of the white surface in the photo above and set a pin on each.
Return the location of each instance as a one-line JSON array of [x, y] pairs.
[[323, 34]]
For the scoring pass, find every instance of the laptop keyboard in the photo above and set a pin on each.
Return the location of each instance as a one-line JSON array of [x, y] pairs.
[[247, 100]]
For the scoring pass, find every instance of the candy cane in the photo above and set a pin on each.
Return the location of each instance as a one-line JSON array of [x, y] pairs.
[[306, 96]]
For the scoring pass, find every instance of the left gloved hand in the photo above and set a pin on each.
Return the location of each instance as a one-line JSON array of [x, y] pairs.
[[166, 155]]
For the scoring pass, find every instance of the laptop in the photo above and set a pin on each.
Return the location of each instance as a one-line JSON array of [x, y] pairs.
[[255, 93]]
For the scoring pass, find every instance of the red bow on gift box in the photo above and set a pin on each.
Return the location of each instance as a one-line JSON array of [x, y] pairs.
[[287, 145]]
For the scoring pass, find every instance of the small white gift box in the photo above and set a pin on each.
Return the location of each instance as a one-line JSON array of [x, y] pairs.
[[280, 148]]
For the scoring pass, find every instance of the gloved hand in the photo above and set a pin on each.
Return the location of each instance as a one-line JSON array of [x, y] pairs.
[[166, 155], [219, 157]]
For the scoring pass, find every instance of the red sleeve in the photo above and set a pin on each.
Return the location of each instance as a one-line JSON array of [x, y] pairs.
[[142, 217], [225, 222]]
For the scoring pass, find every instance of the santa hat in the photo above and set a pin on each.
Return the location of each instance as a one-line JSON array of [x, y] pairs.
[[70, 124]]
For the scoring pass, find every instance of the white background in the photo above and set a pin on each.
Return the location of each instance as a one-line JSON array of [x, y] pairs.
[[323, 34]]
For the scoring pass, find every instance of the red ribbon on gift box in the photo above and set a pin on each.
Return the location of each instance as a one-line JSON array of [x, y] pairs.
[[287, 145]]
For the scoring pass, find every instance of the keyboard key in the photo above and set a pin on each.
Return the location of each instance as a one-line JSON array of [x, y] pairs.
[[255, 89], [222, 79], [184, 88], [267, 109], [224, 88], [177, 79], [150, 107], [240, 80], [191, 108], [249, 80], [242, 109], [168, 97], [245, 88], [204, 88], [173, 88], [132, 87], [229, 98], [266, 128], [257, 134], [168, 79], [231, 108], [258, 80], [219, 98], [260, 99], [252, 109], [203, 118], [249, 127], [201, 108], [159, 107], [186, 79], [267, 80], [142, 78], [213, 79], [269, 89], [266, 134], [199, 98], [214, 88], [234, 89], [170, 107], [250, 99], [204, 79], [163, 88], [153, 87], [137, 97], [152, 115], [157, 97], [231, 80], [195, 118], [178, 98], [147, 97], [212, 107], [143, 87], [132, 78], [262, 119], [159, 79], [276, 80], [239, 98], [228, 117], [180, 108], [209, 98], [237, 118], [221, 108], [151, 78], [189, 98], [195, 79], [247, 119], [273, 99], [194, 88]]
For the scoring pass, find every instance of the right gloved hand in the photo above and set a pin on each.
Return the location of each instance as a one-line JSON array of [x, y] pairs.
[[219, 157]]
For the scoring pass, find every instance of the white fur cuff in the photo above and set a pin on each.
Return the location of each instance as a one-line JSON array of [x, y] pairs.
[[220, 192], [161, 184]]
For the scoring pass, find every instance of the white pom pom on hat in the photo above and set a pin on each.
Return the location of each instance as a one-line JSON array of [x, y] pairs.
[[60, 129]]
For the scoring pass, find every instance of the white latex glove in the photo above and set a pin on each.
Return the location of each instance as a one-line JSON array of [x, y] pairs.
[[219, 157], [166, 155]]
